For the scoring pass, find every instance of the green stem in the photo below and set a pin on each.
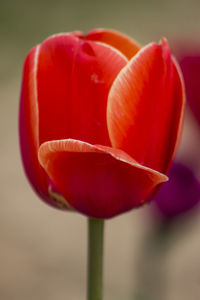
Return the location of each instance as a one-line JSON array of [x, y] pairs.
[[95, 258]]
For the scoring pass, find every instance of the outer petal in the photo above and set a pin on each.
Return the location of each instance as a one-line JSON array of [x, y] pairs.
[[145, 107], [120, 41], [28, 126], [64, 94], [98, 181], [73, 81]]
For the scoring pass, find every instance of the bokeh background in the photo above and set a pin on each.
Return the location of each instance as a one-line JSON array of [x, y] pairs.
[[42, 250]]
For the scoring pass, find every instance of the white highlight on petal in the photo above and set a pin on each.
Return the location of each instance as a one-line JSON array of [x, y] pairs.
[[34, 103], [71, 145]]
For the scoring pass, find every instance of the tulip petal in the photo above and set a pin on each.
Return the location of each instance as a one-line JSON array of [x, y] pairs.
[[64, 94], [145, 107], [28, 126], [120, 41], [74, 78], [28, 131], [98, 181]]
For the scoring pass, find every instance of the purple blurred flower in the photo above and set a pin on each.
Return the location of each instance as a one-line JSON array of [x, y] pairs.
[[179, 195], [189, 60]]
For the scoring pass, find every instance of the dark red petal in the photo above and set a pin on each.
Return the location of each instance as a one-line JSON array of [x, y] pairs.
[[73, 80], [120, 41], [145, 107], [28, 126], [98, 181]]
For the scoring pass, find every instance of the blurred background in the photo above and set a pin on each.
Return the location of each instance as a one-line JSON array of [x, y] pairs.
[[42, 250]]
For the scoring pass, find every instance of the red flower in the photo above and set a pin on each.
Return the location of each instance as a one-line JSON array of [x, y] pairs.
[[180, 195], [189, 60], [99, 120]]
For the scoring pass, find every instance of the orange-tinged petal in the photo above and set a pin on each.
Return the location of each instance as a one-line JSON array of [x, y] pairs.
[[145, 107], [122, 42], [73, 80], [98, 181]]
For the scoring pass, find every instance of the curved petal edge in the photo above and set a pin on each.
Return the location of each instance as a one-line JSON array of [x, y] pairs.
[[145, 107], [122, 42], [98, 181]]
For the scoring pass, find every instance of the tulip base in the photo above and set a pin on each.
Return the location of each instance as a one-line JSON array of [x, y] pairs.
[[95, 259]]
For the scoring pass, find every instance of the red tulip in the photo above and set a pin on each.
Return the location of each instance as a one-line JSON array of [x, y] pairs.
[[99, 120], [189, 60], [180, 195]]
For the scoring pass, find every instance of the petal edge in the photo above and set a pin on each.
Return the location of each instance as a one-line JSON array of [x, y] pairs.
[[97, 181]]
